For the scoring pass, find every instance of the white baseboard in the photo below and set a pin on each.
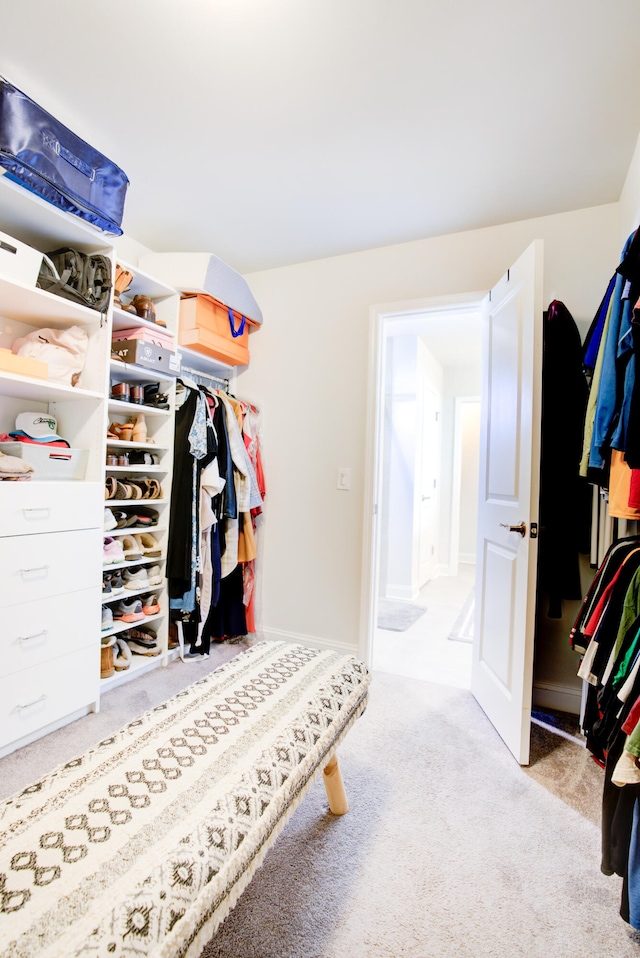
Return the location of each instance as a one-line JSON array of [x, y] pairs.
[[563, 698], [469, 558], [311, 641], [405, 593]]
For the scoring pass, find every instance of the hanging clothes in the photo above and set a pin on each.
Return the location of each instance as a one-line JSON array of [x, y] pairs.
[[565, 508], [212, 536]]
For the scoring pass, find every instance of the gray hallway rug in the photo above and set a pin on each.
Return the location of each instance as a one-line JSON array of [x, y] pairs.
[[396, 616]]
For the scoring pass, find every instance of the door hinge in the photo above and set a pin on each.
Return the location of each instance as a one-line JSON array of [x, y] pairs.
[[533, 530]]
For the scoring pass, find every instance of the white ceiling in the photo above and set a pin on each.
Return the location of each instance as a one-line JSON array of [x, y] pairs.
[[279, 131]]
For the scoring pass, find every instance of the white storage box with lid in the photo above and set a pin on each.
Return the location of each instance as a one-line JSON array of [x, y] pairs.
[[204, 273], [19, 263], [49, 462]]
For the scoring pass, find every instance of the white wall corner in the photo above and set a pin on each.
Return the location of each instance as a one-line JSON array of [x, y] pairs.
[[405, 593], [629, 206], [562, 698], [309, 641]]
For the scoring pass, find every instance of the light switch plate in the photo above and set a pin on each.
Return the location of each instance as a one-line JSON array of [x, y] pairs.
[[344, 477]]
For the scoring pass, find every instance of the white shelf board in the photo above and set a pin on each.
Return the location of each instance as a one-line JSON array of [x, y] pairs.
[[41, 390], [133, 530], [132, 373], [205, 364], [37, 307], [119, 627], [156, 470], [145, 284], [124, 320], [139, 665], [138, 503], [130, 408], [41, 224], [158, 560], [130, 593], [129, 444]]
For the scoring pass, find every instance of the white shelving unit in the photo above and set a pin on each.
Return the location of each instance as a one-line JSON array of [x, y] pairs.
[[52, 532], [160, 430]]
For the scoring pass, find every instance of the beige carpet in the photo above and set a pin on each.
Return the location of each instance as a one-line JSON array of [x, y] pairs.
[[450, 849]]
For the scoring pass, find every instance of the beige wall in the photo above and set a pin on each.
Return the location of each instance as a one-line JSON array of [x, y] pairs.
[[308, 373]]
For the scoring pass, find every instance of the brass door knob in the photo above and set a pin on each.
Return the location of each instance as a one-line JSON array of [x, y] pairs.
[[521, 528]]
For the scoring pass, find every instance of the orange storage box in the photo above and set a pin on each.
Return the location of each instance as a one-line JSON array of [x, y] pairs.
[[206, 327]]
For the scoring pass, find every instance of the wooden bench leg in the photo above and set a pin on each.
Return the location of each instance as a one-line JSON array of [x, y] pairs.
[[334, 787]]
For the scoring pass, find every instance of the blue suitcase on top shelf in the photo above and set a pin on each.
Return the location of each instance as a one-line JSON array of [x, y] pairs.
[[43, 155]]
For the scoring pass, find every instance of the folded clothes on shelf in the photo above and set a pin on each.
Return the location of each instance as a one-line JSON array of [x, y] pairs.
[[14, 469]]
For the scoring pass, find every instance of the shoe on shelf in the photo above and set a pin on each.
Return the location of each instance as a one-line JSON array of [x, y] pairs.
[[120, 430], [112, 550], [148, 545], [118, 490], [107, 618], [135, 578], [150, 604], [106, 589], [146, 517], [107, 668], [121, 391], [139, 429], [154, 575], [173, 641], [140, 457], [110, 520], [128, 610], [142, 634], [122, 655], [124, 519], [157, 400], [143, 649], [150, 488], [131, 548], [115, 581]]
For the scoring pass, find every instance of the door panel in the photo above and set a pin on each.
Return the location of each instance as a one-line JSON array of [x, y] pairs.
[[502, 671]]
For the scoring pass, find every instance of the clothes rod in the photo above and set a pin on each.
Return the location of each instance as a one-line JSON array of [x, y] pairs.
[[198, 374]]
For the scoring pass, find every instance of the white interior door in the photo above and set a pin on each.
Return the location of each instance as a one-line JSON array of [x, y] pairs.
[[502, 670]]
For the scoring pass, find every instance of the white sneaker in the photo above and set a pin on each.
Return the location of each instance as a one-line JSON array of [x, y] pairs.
[[154, 573], [110, 521], [135, 578]]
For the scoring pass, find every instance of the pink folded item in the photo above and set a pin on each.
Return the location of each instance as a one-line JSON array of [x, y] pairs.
[[159, 337]]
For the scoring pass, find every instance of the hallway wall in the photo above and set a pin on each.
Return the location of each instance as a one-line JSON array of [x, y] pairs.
[[309, 373]]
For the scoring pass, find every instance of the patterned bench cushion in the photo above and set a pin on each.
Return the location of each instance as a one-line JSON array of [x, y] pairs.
[[141, 846]]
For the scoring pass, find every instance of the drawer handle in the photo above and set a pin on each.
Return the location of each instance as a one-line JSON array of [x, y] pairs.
[[29, 705], [46, 509], [36, 635], [37, 568]]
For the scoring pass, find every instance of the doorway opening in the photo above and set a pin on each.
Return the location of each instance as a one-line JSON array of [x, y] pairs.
[[427, 451]]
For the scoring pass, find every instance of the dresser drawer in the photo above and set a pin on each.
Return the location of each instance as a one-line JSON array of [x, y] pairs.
[[35, 697], [31, 507], [39, 631], [38, 566]]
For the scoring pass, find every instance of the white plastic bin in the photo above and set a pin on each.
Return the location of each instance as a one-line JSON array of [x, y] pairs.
[[19, 263], [49, 462]]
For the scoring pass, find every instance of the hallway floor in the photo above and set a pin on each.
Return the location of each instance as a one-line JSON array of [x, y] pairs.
[[424, 651]]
